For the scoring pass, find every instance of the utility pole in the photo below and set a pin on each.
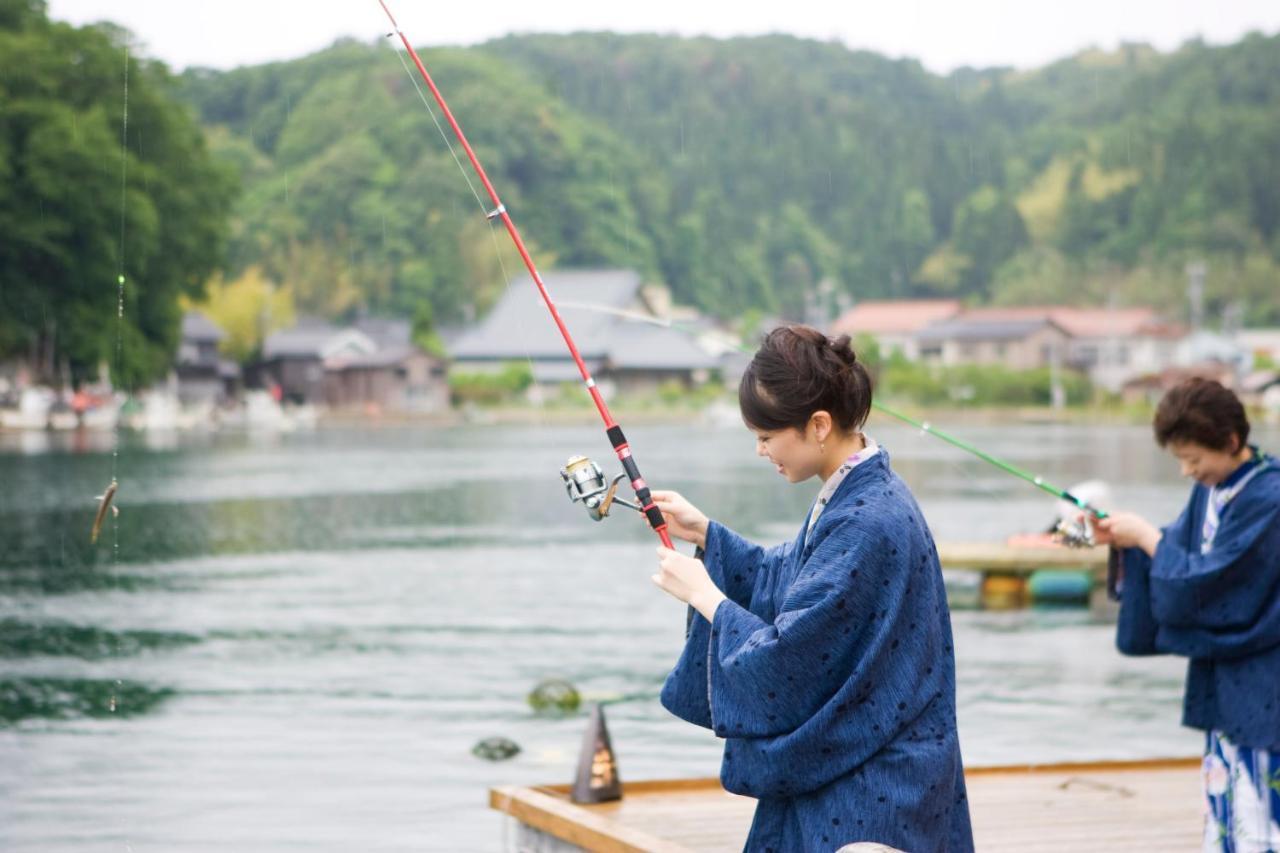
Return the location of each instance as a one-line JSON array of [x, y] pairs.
[[1195, 293]]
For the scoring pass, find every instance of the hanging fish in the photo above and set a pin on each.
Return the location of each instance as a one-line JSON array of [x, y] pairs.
[[104, 502]]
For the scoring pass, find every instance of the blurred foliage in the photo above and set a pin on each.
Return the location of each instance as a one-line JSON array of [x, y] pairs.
[[744, 172], [900, 380], [247, 309], [507, 384], [66, 210]]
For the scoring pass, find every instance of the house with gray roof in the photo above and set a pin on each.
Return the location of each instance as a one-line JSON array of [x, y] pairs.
[[203, 375], [1020, 343], [371, 366], [293, 358], [622, 341]]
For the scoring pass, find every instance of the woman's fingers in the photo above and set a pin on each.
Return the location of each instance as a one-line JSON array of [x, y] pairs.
[[665, 578]]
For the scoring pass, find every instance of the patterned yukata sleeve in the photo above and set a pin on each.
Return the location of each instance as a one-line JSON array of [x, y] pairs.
[[737, 567], [770, 677], [1224, 604]]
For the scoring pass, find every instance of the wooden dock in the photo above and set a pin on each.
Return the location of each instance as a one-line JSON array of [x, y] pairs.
[[997, 557], [1097, 807], [1014, 575]]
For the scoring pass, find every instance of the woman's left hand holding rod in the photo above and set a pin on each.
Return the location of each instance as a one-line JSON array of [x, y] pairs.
[[686, 579]]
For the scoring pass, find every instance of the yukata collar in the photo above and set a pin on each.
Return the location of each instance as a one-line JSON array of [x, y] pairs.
[[1248, 465], [840, 475]]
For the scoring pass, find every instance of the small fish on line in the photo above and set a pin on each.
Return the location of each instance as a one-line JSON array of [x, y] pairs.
[[104, 501]]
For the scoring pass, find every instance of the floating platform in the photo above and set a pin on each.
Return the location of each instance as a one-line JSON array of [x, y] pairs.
[[1000, 558], [1000, 576], [1103, 807]]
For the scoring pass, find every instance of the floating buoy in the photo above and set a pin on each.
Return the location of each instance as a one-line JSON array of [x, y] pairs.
[[1003, 592], [556, 696], [496, 749], [1060, 587]]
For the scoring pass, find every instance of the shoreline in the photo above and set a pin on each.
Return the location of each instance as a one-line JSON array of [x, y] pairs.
[[720, 413]]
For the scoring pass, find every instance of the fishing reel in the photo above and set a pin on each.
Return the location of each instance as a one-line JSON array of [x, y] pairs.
[[1075, 533], [587, 484], [1076, 530], [1078, 512]]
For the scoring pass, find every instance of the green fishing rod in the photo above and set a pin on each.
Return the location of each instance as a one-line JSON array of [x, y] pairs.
[[1007, 467]]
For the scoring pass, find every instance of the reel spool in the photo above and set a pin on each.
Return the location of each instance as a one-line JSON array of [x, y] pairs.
[[586, 483]]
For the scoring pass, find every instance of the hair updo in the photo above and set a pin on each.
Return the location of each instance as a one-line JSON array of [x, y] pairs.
[[798, 371]]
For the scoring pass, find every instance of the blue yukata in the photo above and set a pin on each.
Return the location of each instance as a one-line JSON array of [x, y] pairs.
[[829, 673], [1211, 593]]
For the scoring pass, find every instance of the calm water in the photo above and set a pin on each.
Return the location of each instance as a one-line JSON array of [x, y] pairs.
[[293, 643]]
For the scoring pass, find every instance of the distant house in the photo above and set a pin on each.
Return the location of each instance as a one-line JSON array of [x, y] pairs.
[[398, 376], [895, 323], [972, 338], [371, 365], [1111, 345], [622, 342], [1150, 388], [203, 375], [294, 358], [1114, 345], [1204, 346]]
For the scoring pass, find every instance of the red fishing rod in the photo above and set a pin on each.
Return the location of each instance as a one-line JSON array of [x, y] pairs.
[[583, 478]]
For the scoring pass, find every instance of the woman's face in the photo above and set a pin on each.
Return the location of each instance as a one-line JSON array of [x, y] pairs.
[[793, 452], [1202, 464]]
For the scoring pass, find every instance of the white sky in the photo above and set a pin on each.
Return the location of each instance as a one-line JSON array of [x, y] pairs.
[[943, 34]]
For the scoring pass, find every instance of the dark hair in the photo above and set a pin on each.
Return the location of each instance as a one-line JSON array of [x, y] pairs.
[[1201, 411], [798, 371]]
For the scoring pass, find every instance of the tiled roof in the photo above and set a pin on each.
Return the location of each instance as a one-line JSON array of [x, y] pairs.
[[597, 306], [894, 317]]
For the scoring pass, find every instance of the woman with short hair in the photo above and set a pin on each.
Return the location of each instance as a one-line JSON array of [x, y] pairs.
[[1207, 587]]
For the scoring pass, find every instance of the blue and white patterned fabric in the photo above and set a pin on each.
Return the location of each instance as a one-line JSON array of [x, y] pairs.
[[1211, 593], [1242, 794]]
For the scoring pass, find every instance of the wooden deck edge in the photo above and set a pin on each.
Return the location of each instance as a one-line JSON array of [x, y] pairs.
[[573, 823], [1103, 766], [648, 786], [548, 809]]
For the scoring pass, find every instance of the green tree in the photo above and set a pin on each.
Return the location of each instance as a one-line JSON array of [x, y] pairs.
[[742, 171], [71, 219]]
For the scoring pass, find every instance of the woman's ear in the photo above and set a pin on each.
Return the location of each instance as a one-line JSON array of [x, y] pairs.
[[820, 424]]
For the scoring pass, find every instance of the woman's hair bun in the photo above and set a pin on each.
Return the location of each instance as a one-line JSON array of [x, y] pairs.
[[843, 347], [799, 370]]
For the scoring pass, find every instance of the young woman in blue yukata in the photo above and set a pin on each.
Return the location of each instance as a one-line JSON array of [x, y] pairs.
[[825, 663], [1207, 587]]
